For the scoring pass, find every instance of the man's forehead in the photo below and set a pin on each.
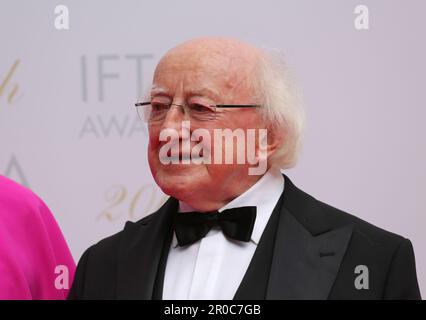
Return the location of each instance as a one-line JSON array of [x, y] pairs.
[[193, 64], [211, 67]]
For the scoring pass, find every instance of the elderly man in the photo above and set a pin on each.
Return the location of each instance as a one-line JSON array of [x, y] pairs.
[[234, 226]]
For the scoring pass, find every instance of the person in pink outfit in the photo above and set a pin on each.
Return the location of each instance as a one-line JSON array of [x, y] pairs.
[[35, 262]]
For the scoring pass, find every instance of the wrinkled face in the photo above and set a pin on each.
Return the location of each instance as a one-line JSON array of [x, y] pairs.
[[192, 75]]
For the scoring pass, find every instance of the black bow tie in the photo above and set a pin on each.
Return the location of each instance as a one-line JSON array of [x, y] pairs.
[[236, 223]]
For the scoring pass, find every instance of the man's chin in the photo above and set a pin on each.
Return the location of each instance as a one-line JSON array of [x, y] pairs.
[[177, 183]]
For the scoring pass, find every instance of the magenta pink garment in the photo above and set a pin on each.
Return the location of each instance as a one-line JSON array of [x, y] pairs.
[[31, 247]]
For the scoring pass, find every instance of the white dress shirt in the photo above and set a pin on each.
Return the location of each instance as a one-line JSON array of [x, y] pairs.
[[213, 267]]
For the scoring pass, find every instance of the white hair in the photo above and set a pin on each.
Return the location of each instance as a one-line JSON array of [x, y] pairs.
[[281, 107]]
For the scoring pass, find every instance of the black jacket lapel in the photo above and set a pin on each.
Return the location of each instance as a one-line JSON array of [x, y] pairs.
[[308, 251], [140, 253], [305, 266]]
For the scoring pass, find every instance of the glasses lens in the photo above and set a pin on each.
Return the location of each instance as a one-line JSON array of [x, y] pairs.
[[200, 112], [157, 111]]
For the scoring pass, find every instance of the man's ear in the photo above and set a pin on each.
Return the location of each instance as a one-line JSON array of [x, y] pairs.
[[274, 140]]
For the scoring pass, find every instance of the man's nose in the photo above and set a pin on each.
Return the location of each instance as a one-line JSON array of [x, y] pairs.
[[174, 117]]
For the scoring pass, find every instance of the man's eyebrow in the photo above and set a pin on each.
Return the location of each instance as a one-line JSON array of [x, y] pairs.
[[157, 90]]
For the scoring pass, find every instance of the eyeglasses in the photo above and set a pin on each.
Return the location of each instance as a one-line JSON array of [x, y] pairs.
[[155, 111]]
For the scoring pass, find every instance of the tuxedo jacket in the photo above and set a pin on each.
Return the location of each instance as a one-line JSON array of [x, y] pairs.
[[308, 250]]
